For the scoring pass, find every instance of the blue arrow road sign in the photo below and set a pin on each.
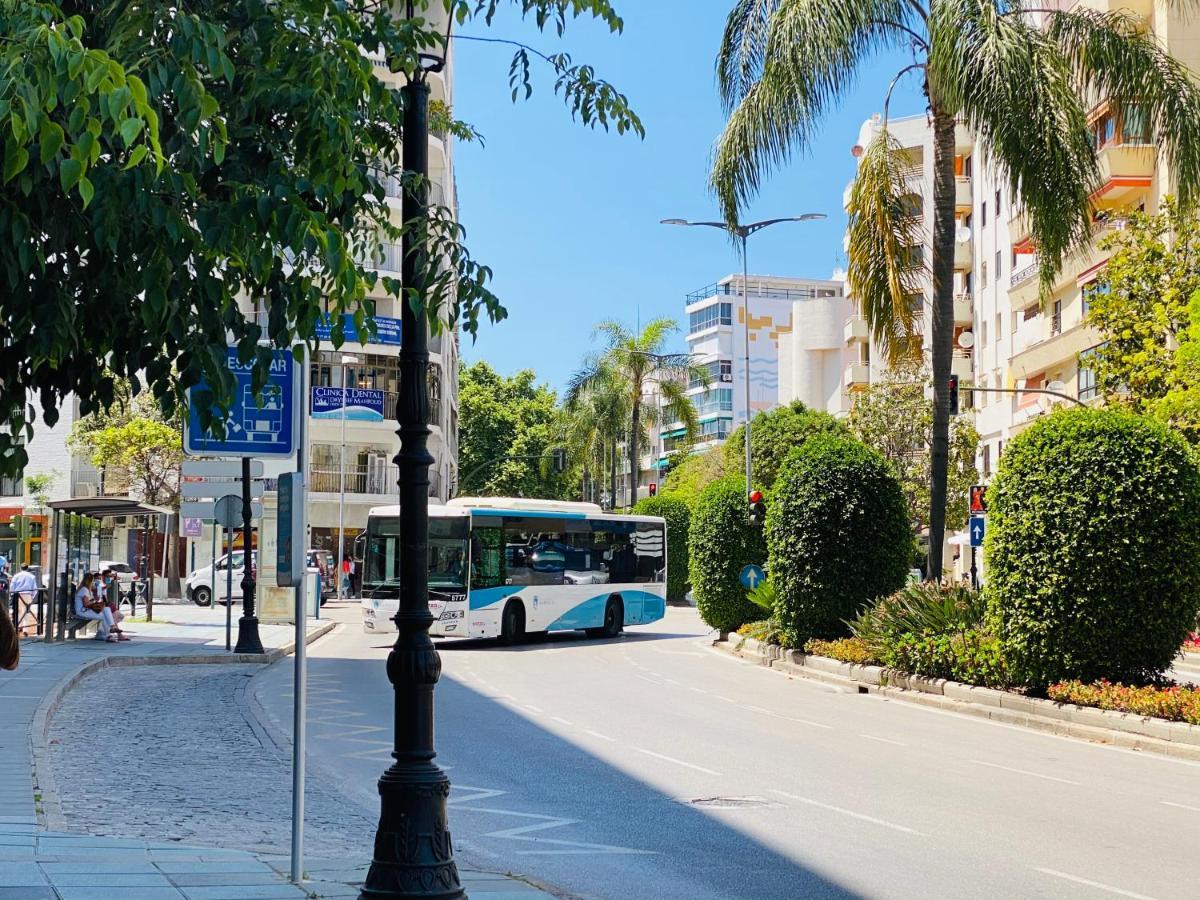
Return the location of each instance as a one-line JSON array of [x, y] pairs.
[[978, 528], [263, 425], [752, 576]]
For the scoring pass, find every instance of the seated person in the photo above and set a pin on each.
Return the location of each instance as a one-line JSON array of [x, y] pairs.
[[88, 606], [109, 590]]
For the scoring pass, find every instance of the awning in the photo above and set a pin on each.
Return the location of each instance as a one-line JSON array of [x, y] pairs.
[[674, 432], [961, 539], [103, 507]]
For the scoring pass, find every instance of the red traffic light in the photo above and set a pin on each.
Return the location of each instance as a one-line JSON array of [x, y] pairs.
[[756, 496]]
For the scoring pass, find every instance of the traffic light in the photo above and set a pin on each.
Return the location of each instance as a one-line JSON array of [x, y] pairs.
[[954, 395], [653, 489], [758, 509], [559, 460]]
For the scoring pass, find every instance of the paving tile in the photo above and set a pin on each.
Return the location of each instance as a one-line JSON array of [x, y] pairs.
[[17, 840], [21, 874], [113, 879], [53, 869], [119, 893], [224, 879], [27, 893], [216, 867], [505, 895], [246, 892]]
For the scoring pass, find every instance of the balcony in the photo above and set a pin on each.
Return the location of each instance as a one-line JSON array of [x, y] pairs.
[[378, 480], [963, 255], [1058, 351], [964, 313], [1018, 226], [858, 376], [961, 365], [856, 331], [1024, 287], [962, 193], [1125, 171]]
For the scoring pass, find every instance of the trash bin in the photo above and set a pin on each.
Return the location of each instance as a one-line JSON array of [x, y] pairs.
[[312, 596]]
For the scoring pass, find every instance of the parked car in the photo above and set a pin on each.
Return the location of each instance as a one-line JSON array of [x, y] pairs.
[[198, 587]]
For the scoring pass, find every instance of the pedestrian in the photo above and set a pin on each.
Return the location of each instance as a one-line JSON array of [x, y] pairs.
[[10, 645], [87, 606], [110, 593], [23, 589], [346, 574]]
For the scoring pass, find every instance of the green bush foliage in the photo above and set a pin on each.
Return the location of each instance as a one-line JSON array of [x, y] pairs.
[[773, 435], [720, 543], [837, 534], [934, 629], [678, 517], [689, 477], [1093, 548], [850, 650]]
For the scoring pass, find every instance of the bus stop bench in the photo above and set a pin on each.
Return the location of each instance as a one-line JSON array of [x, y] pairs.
[[76, 624]]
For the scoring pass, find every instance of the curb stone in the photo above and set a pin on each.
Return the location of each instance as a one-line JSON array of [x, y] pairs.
[[49, 812], [1177, 739]]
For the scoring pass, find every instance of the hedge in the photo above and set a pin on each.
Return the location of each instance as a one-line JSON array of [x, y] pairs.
[[678, 516], [773, 435], [1093, 548], [837, 534], [721, 542]]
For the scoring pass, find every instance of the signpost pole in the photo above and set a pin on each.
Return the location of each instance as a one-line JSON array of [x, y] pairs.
[[229, 588], [299, 542], [248, 640], [212, 566], [974, 570]]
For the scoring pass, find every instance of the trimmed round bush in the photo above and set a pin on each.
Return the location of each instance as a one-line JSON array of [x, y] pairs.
[[773, 435], [1093, 548], [678, 517], [721, 542], [837, 534]]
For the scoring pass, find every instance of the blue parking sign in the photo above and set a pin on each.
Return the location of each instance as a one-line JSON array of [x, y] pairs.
[[262, 425]]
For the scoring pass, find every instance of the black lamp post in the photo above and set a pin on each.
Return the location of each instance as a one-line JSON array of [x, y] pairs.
[[248, 640], [414, 856]]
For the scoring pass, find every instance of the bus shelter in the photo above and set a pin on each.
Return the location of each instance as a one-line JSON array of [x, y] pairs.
[[73, 524]]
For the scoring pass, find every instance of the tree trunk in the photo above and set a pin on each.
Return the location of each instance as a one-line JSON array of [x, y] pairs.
[[634, 461], [942, 334], [174, 589], [612, 475]]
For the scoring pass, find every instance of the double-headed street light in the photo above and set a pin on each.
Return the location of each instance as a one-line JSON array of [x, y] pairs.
[[743, 232]]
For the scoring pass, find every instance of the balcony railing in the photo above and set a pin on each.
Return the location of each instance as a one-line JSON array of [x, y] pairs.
[[380, 480], [1023, 275], [734, 288], [384, 258]]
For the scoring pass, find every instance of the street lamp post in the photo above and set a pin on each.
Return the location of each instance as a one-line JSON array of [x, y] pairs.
[[743, 232], [346, 360], [413, 855]]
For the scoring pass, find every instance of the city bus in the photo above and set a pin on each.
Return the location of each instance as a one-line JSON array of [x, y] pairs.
[[504, 567]]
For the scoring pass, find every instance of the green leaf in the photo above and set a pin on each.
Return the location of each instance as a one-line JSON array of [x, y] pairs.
[[69, 173], [14, 163], [130, 129], [138, 154], [86, 191], [50, 137]]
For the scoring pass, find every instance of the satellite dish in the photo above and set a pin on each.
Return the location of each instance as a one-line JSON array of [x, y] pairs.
[[1057, 386], [962, 234], [966, 339]]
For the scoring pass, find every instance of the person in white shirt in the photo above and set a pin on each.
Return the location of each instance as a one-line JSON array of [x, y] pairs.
[[24, 587], [87, 606]]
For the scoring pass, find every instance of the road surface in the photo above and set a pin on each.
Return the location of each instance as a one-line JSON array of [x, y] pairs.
[[651, 766]]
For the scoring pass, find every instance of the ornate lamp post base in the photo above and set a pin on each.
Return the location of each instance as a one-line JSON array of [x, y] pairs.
[[248, 640]]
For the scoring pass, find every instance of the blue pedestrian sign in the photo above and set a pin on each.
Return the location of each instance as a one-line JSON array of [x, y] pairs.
[[752, 576], [263, 425], [978, 528]]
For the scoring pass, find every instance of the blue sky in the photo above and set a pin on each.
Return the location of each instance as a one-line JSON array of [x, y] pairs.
[[568, 217]]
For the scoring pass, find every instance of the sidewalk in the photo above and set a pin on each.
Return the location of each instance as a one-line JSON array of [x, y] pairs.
[[37, 863]]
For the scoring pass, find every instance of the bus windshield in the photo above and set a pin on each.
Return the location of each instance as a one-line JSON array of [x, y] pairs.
[[447, 553]]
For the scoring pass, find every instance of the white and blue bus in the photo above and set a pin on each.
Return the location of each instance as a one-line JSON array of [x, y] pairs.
[[504, 567]]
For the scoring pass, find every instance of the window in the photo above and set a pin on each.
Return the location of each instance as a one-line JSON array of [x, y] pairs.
[[983, 214], [983, 394], [1087, 377], [912, 257], [982, 334], [11, 486], [1090, 290], [715, 400], [983, 274], [997, 201], [1136, 125], [999, 326], [987, 459], [998, 264], [716, 429], [710, 316], [967, 166], [719, 372], [1056, 319]]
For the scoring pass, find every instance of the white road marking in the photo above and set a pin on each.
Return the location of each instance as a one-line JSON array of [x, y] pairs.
[[678, 762], [883, 740], [563, 721], [672, 681], [1180, 805], [726, 699], [768, 712], [603, 737], [980, 762], [532, 708], [699, 690], [1093, 884], [848, 812]]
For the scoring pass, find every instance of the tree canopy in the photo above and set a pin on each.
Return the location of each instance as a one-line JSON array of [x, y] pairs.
[[502, 418], [144, 193]]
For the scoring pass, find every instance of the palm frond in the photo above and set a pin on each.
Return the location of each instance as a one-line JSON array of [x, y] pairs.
[[797, 65], [685, 410], [884, 268], [655, 333], [740, 58], [1112, 57], [1013, 87]]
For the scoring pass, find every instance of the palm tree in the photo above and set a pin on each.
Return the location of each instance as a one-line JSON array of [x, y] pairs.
[[635, 361], [1012, 71], [593, 420]]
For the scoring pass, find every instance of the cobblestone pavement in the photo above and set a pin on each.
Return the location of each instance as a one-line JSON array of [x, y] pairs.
[[183, 760]]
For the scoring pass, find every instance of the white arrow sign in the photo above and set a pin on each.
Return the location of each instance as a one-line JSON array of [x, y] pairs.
[[220, 468]]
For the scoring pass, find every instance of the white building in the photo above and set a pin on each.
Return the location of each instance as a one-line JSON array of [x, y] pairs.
[[813, 355]]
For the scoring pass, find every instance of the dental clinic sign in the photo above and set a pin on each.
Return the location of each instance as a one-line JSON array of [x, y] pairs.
[[356, 404]]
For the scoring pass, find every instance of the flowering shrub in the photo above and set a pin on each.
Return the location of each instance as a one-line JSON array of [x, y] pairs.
[[972, 657], [1179, 704], [767, 631], [1193, 642], [849, 650]]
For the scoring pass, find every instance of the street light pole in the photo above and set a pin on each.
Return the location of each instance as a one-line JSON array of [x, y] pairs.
[[742, 233], [345, 360], [414, 856]]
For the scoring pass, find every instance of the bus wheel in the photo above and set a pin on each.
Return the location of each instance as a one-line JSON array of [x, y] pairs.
[[614, 619], [512, 624], [202, 597]]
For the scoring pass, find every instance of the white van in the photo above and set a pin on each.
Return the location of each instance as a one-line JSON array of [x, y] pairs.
[[198, 587]]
